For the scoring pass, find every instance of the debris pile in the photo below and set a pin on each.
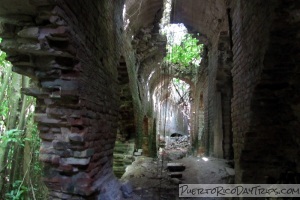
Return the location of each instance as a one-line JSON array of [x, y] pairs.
[[175, 147], [178, 142]]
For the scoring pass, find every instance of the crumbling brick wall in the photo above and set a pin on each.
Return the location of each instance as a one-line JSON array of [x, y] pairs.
[[71, 50]]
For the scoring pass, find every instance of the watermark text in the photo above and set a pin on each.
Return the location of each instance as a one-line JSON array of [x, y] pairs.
[[239, 190]]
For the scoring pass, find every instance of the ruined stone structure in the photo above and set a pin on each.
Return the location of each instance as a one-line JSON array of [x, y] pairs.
[[95, 66]]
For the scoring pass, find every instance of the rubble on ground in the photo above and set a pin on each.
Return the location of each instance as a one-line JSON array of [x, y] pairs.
[[175, 147]]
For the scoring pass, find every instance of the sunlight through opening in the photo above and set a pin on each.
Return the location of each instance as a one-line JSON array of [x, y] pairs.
[[205, 159]]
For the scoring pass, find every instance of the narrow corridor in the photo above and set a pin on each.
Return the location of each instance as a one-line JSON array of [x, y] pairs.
[[118, 94]]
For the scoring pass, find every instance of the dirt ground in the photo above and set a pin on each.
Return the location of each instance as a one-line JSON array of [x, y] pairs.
[[150, 181]]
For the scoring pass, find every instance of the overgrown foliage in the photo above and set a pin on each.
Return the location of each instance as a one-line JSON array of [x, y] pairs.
[[20, 170], [187, 53], [3, 62], [186, 56]]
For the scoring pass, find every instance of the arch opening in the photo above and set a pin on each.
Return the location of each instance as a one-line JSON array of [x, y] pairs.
[[173, 89]]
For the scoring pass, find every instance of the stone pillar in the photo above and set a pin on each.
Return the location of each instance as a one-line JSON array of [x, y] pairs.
[[218, 127]]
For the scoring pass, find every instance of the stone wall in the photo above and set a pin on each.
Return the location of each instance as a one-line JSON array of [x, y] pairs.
[[216, 90], [203, 79], [224, 88], [126, 125], [142, 52], [213, 103]]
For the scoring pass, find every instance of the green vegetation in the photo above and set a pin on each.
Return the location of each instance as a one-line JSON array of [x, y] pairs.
[[187, 53], [3, 62], [186, 56], [20, 170]]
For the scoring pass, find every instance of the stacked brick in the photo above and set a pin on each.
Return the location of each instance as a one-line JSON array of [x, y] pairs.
[[123, 156], [75, 75]]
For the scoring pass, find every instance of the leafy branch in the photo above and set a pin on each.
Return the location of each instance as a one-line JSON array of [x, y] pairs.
[[185, 55]]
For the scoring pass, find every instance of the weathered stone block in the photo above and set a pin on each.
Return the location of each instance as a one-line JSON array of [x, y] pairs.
[[64, 153], [175, 167], [47, 136], [60, 145], [75, 161], [49, 158], [32, 32], [84, 154], [175, 175], [137, 153], [68, 169], [44, 119], [76, 138]]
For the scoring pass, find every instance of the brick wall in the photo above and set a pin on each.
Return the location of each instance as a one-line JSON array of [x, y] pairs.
[[250, 27], [215, 84], [98, 36], [264, 122], [72, 52]]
